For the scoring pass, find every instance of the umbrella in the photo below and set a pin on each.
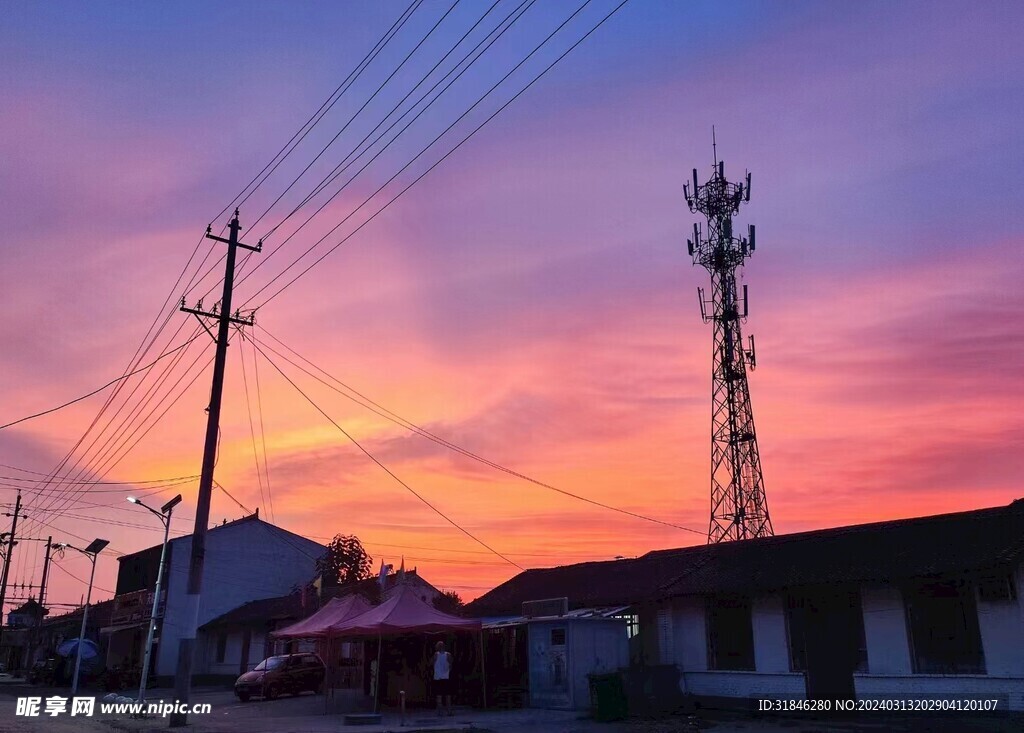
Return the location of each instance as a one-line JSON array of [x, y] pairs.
[[70, 648]]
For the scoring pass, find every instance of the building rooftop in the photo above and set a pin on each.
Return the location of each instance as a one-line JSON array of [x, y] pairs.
[[961, 542], [291, 606], [251, 518]]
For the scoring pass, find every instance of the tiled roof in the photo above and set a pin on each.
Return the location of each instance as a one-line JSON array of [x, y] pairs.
[[607, 583], [923, 546], [920, 547], [281, 608]]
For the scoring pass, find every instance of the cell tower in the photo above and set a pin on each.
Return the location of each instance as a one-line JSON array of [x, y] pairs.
[[739, 507]]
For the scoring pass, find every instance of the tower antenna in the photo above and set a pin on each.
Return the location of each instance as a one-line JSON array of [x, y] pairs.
[[739, 506]]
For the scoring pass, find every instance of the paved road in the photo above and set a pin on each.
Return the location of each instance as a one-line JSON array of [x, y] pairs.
[[306, 714]]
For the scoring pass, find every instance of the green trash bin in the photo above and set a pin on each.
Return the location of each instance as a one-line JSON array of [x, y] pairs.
[[607, 697]]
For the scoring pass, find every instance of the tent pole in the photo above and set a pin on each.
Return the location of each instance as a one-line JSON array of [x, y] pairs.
[[329, 653], [376, 686], [483, 667]]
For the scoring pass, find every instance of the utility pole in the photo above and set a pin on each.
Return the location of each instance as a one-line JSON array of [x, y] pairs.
[[34, 631], [7, 558], [224, 318], [46, 571], [739, 505]]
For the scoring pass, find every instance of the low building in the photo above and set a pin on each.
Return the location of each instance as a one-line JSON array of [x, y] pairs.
[[20, 635], [246, 560], [546, 656], [236, 641], [921, 607]]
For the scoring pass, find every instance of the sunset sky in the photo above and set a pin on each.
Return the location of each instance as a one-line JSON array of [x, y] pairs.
[[530, 299]]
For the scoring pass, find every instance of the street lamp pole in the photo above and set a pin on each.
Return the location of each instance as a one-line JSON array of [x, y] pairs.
[[92, 551], [164, 515]]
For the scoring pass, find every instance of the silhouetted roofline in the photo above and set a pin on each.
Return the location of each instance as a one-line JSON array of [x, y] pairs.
[[889, 549]]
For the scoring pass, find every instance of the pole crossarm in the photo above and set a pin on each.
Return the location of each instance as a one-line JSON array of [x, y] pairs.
[[237, 318], [214, 237]]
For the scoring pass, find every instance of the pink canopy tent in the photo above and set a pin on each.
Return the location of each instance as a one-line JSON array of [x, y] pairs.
[[403, 613], [321, 624]]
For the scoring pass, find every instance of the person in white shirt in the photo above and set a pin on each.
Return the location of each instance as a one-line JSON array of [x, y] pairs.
[[442, 677]]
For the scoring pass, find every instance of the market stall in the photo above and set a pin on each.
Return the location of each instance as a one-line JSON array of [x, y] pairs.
[[404, 613]]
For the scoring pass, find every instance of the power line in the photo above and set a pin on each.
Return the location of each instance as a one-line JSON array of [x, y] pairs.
[[244, 508], [336, 95], [315, 119], [56, 491], [146, 492], [383, 467], [486, 42], [151, 337], [98, 389], [83, 582], [378, 409], [67, 496], [357, 112], [263, 431], [252, 428], [92, 482], [329, 178], [144, 347], [440, 160]]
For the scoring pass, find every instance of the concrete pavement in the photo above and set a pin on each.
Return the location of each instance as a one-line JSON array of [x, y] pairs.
[[306, 714]]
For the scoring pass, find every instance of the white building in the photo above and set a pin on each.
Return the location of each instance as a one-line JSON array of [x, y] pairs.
[[924, 607], [247, 559]]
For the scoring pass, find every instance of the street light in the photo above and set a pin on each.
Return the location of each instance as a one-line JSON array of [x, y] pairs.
[[164, 515], [94, 549]]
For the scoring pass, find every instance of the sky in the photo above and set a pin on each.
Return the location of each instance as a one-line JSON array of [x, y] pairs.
[[529, 299]]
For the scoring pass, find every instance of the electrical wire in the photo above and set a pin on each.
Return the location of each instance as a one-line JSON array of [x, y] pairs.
[[373, 458], [357, 112], [263, 431], [378, 409], [252, 429], [330, 177], [98, 389]]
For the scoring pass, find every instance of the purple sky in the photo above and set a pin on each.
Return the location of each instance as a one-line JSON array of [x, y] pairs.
[[531, 299]]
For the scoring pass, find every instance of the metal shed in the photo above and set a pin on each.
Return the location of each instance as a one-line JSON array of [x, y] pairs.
[[562, 650]]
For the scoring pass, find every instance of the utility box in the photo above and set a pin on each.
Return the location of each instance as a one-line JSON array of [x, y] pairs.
[[565, 651]]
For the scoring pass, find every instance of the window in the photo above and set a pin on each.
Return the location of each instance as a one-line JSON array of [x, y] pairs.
[[845, 627], [632, 624], [557, 637], [730, 633], [222, 646], [943, 621], [998, 588], [664, 620]]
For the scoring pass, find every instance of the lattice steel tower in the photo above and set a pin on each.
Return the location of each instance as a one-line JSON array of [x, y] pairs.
[[739, 507]]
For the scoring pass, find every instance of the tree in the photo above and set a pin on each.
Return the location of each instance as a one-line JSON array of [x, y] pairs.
[[345, 561], [449, 601]]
